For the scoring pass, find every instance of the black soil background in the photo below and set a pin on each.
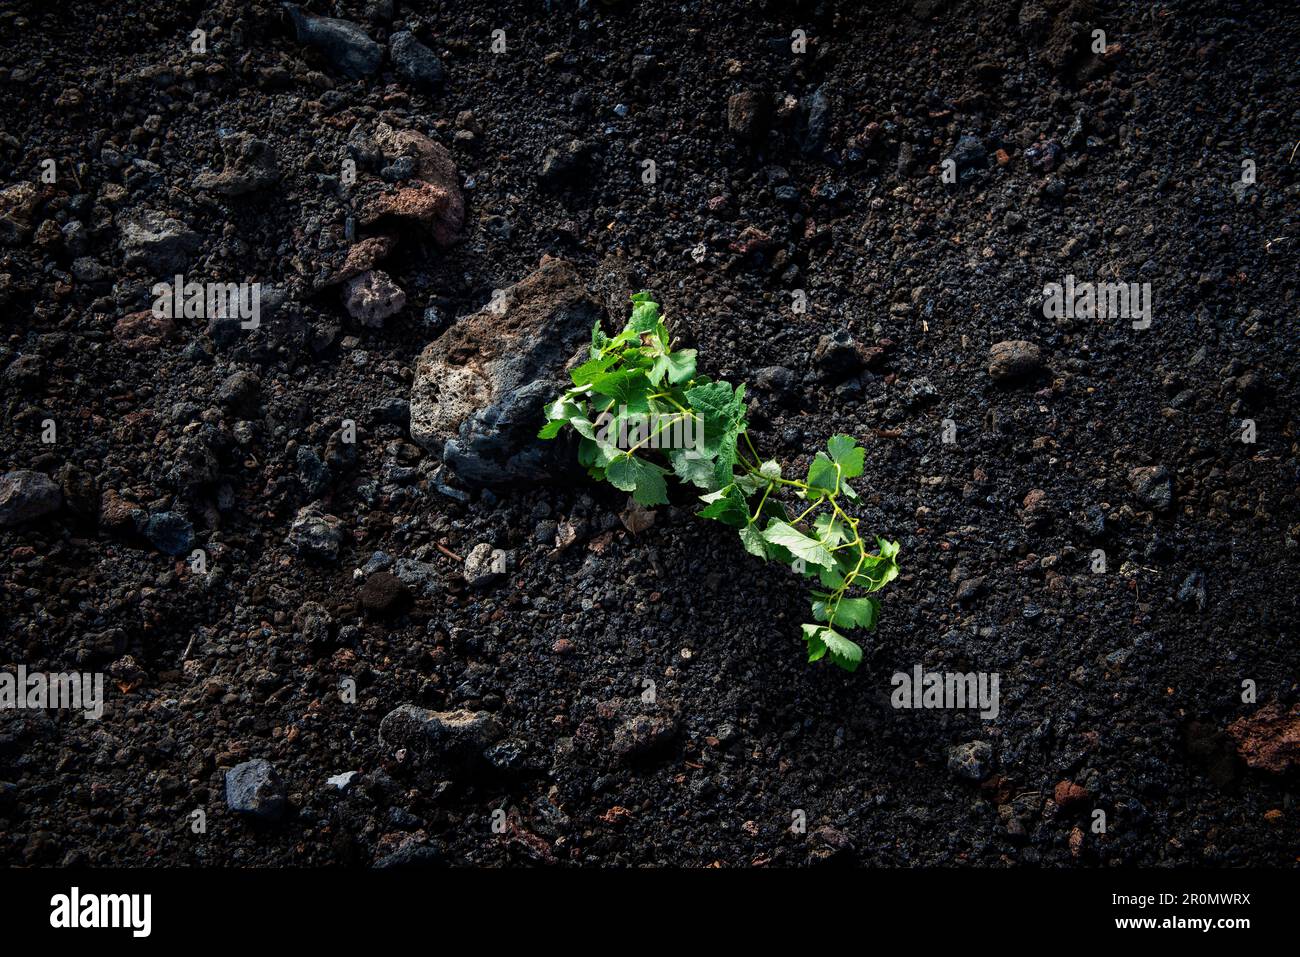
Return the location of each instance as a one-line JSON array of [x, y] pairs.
[[1117, 688]]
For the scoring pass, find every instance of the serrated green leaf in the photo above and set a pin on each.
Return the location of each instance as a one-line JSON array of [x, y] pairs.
[[830, 530], [643, 479], [691, 466], [679, 365], [727, 505], [798, 544], [848, 612], [845, 452], [823, 476], [626, 387], [593, 368], [754, 542], [816, 647], [645, 314], [844, 652], [551, 429]]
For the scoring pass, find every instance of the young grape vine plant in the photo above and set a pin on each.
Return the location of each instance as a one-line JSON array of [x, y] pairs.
[[636, 390]]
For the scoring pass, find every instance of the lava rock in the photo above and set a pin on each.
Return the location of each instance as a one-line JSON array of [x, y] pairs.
[[1014, 360], [1269, 739], [170, 533], [157, 242], [478, 388], [482, 567], [563, 163], [239, 391], [143, 331], [372, 297], [316, 534], [347, 47], [414, 61], [972, 760], [818, 122], [17, 207], [384, 594], [450, 740], [250, 166], [254, 789], [1193, 589], [641, 735], [969, 154], [839, 355], [747, 115], [432, 198], [26, 496], [313, 622], [1152, 485]]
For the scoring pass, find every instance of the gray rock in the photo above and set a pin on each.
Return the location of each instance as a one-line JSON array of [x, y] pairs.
[[348, 48], [254, 788], [1152, 485], [170, 533], [969, 153], [250, 166], [414, 61], [480, 388], [972, 760], [157, 242], [372, 297], [26, 496], [1193, 589], [449, 740], [17, 206], [563, 162], [1014, 359], [420, 577], [747, 115], [481, 567], [819, 121], [642, 734], [313, 622], [839, 355], [316, 534]]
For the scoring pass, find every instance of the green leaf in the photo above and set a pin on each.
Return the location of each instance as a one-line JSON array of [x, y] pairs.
[[823, 641], [844, 652], [880, 569], [691, 466], [679, 365], [645, 313], [823, 476], [830, 578], [727, 505], [816, 647], [643, 479], [849, 612], [722, 409], [753, 541], [799, 544], [846, 454], [593, 368], [627, 387], [830, 530], [551, 429]]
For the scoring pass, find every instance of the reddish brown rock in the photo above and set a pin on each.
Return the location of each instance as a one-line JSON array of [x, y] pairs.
[[1269, 739], [140, 331], [1069, 795], [363, 257], [433, 197]]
